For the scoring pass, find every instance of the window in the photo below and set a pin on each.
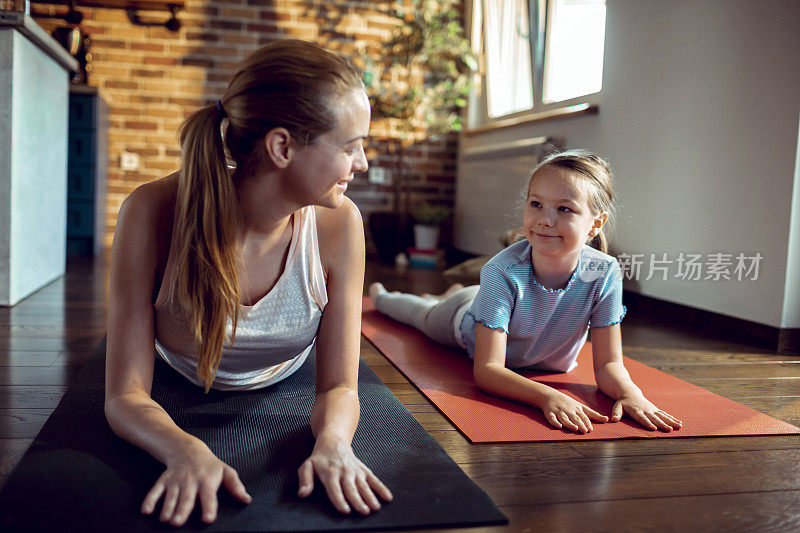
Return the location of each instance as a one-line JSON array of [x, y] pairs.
[[537, 55]]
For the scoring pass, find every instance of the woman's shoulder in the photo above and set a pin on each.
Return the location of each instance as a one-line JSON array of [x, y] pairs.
[[152, 199], [334, 225], [334, 219], [340, 230], [148, 212]]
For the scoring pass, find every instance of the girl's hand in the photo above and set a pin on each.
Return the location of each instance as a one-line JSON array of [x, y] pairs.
[[561, 410], [348, 482], [195, 475], [644, 412]]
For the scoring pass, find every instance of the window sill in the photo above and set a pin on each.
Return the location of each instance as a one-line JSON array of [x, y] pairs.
[[543, 116]]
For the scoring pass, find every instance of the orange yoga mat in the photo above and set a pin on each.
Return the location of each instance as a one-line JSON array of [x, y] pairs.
[[444, 376]]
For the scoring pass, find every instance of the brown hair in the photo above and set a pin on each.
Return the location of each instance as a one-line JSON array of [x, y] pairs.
[[290, 84], [596, 173]]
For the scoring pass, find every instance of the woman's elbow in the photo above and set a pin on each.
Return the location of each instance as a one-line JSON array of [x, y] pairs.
[[118, 409]]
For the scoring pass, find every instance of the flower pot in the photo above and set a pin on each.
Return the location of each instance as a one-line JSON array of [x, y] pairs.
[[426, 237]]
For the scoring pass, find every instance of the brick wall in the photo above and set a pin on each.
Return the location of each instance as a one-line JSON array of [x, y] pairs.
[[152, 79]]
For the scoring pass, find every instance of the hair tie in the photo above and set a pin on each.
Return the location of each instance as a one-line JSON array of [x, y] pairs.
[[221, 109]]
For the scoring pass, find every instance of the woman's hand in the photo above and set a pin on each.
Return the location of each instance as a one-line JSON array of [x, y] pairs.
[[561, 410], [195, 474], [348, 482], [644, 412]]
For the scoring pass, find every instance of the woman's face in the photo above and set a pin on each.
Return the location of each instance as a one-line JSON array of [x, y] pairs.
[[558, 219], [323, 169]]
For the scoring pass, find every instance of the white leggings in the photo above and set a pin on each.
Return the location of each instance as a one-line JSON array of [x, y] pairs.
[[435, 318]]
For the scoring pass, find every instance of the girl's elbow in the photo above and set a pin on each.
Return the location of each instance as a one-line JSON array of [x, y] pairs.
[[483, 377]]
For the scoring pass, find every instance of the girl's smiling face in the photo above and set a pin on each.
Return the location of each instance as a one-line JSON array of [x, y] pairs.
[[558, 220]]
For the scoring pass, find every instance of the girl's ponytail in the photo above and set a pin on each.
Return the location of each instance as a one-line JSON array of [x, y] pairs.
[[600, 242], [205, 278]]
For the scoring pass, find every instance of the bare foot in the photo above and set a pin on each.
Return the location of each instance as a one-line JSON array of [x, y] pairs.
[[376, 289], [450, 290]]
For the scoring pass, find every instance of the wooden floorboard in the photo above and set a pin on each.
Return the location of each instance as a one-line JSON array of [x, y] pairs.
[[681, 484]]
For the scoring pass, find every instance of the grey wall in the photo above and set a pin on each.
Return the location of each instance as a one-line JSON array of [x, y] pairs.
[[33, 167], [699, 117]]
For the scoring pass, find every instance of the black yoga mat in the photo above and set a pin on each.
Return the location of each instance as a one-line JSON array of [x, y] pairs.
[[77, 475]]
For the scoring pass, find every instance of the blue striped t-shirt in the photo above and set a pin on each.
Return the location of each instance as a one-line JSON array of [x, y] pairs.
[[545, 327]]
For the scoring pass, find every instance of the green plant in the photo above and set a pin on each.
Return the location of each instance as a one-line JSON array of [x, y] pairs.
[[429, 214], [425, 74]]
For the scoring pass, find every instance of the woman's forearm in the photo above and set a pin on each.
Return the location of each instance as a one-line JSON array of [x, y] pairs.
[[335, 414], [139, 420]]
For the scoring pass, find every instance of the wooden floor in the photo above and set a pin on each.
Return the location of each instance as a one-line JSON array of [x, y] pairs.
[[707, 484]]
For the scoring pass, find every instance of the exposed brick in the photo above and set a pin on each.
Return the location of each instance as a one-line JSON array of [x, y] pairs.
[[142, 99], [153, 78], [170, 166], [148, 73], [237, 38], [262, 28], [171, 112], [239, 12], [93, 29], [141, 125], [149, 47], [274, 15], [196, 62], [107, 43], [128, 32], [126, 111], [199, 10], [221, 51], [225, 25], [115, 84], [156, 60], [202, 36], [144, 151], [109, 71], [109, 15], [189, 102], [187, 73], [117, 58]]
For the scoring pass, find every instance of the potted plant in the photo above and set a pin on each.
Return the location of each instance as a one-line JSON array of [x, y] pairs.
[[428, 218], [417, 88]]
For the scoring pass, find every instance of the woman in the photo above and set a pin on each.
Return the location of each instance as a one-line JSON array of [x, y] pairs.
[[231, 267]]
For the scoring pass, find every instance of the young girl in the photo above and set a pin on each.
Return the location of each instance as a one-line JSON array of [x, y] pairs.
[[231, 275], [537, 299]]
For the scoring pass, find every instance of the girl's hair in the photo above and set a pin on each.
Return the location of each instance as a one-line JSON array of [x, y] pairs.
[[289, 84], [596, 173]]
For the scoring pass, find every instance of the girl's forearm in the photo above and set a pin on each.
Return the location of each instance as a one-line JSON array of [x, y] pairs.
[[615, 381], [335, 414], [501, 381]]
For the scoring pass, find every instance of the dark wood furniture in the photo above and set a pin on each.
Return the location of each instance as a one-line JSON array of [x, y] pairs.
[[87, 164]]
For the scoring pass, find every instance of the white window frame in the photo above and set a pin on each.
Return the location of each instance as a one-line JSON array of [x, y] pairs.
[[539, 23]]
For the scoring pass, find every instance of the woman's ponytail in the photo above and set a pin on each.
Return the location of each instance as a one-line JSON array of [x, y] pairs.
[[205, 278]]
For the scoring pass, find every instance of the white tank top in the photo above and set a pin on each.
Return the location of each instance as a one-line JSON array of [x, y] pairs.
[[273, 336]]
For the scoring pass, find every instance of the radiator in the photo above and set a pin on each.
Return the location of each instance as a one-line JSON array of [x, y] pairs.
[[490, 188]]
